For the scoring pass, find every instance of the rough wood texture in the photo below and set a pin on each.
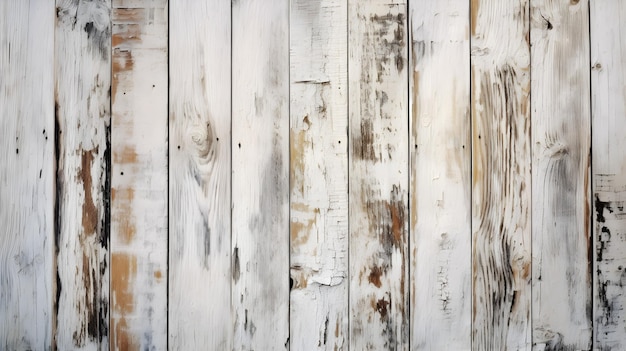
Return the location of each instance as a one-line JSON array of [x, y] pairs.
[[378, 106], [608, 74], [561, 288], [319, 175], [260, 174], [139, 175], [82, 100], [501, 230], [440, 176], [26, 174], [200, 171]]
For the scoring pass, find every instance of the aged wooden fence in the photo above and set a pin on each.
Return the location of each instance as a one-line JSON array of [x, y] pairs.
[[313, 175]]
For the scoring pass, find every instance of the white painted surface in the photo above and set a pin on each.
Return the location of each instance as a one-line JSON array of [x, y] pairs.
[[82, 104], [440, 169], [319, 175], [378, 182], [26, 174], [608, 76], [200, 175], [501, 179], [260, 174], [139, 176], [561, 163]]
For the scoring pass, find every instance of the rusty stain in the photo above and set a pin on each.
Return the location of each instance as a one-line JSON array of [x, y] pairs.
[[123, 338], [129, 15], [123, 271], [296, 169], [374, 276], [126, 34], [158, 275], [90, 212], [127, 155], [122, 198], [474, 6], [381, 306]]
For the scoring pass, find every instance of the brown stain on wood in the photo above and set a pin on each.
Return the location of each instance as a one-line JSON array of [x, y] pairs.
[[474, 7], [122, 198], [130, 34], [122, 337], [90, 211], [123, 272], [129, 15], [374, 276], [127, 155], [298, 148]]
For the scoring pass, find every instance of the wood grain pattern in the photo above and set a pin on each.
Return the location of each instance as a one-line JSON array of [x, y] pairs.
[[378, 107], [608, 76], [440, 169], [200, 172], [82, 101], [561, 288], [26, 174], [501, 179], [260, 174], [139, 175], [319, 175]]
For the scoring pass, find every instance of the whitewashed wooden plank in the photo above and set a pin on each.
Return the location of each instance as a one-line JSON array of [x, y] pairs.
[[501, 197], [378, 108], [82, 100], [440, 190], [561, 285], [26, 174], [139, 177], [319, 175], [608, 76], [260, 174], [200, 171]]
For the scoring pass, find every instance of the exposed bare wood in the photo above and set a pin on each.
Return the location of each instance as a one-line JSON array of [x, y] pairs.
[[260, 174], [608, 76], [561, 288], [440, 176], [501, 179], [139, 176], [378, 106], [319, 175], [26, 174], [82, 100], [200, 171]]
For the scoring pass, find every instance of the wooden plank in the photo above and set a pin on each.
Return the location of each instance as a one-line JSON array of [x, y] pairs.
[[561, 273], [501, 179], [260, 174], [608, 74], [440, 169], [139, 176], [319, 175], [200, 171], [378, 107], [27, 174], [82, 100]]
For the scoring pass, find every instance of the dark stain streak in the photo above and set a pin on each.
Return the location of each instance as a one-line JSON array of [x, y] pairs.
[[236, 265], [600, 206], [604, 238], [206, 236], [90, 212]]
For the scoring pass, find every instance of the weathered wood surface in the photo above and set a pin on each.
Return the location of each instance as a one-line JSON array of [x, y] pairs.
[[260, 174], [82, 108], [378, 181], [200, 171], [501, 180], [561, 269], [318, 175], [26, 174], [440, 169], [608, 77], [139, 175]]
